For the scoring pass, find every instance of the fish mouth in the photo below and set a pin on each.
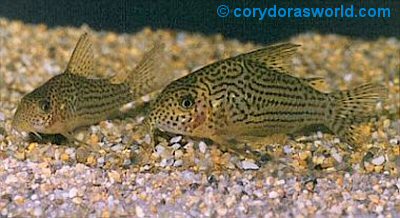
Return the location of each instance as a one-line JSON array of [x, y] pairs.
[[24, 127], [18, 126], [24, 130]]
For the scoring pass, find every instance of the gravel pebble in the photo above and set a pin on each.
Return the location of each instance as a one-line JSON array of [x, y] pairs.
[[178, 163], [175, 139], [247, 165], [202, 147], [176, 146], [139, 211], [273, 194], [336, 155], [72, 192], [379, 160]]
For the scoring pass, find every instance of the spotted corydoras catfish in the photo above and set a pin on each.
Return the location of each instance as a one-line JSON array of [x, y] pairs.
[[254, 95], [73, 99]]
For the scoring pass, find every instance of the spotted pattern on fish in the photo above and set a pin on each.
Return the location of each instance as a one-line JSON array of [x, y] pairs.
[[249, 95], [73, 99]]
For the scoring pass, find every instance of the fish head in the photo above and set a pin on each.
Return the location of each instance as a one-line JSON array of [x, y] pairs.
[[181, 108], [41, 110]]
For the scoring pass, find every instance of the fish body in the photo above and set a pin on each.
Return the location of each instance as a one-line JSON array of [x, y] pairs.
[[253, 95], [73, 99], [68, 101]]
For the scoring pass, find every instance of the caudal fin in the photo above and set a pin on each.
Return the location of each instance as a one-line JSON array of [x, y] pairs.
[[352, 107]]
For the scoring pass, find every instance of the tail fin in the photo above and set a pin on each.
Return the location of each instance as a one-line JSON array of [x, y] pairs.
[[352, 107]]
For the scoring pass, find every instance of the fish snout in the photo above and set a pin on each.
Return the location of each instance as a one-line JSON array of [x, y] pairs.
[[20, 121], [15, 123], [18, 124]]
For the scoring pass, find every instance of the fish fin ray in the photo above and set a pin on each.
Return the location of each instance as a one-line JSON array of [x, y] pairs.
[[318, 83], [146, 77], [276, 57], [82, 58], [353, 107]]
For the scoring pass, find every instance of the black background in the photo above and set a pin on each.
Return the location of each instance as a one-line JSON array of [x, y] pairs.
[[200, 16]]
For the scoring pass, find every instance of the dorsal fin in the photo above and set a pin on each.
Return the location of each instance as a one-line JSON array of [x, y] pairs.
[[82, 58], [318, 83], [276, 57], [146, 77]]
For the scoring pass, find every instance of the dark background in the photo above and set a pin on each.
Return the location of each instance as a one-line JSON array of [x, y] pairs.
[[200, 16]]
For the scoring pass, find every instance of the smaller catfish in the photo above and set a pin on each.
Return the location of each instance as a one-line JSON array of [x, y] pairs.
[[242, 99], [74, 98]]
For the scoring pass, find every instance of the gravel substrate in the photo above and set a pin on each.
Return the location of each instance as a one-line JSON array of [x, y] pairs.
[[313, 174]]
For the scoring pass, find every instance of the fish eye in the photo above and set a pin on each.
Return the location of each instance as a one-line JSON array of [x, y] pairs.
[[187, 102], [45, 105]]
